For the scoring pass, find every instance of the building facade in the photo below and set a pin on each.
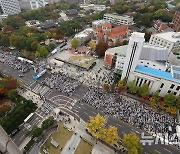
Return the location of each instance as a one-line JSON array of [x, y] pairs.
[[9, 7], [148, 64], [32, 4], [176, 21], [119, 20]]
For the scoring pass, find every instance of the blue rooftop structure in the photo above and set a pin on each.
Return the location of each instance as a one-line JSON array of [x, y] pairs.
[[156, 73]]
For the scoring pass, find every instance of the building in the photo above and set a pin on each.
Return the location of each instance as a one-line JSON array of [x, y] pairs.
[[98, 23], [71, 13], [94, 7], [32, 23], [148, 64], [114, 57], [107, 33], [119, 20], [84, 36], [32, 4], [9, 7], [169, 40], [176, 21]]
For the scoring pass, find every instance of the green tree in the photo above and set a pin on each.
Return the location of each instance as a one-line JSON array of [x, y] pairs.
[[156, 96], [48, 122], [42, 51], [35, 132], [169, 99], [144, 90], [125, 42], [13, 95], [74, 43], [132, 88], [132, 143], [5, 39], [178, 103]]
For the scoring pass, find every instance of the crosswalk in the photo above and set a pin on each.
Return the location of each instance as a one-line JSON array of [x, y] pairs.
[[41, 90]]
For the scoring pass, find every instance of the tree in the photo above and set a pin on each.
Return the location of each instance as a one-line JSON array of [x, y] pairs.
[[125, 42], [169, 99], [132, 88], [5, 39], [122, 84], [101, 48], [118, 43], [132, 143], [144, 90], [178, 103], [155, 96], [74, 43], [35, 132], [48, 122], [96, 125], [13, 95], [111, 135], [92, 45], [42, 51]]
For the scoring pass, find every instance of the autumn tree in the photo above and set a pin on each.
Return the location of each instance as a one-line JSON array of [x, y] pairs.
[[101, 48], [96, 126], [132, 143], [92, 45], [122, 84], [74, 43], [112, 136]]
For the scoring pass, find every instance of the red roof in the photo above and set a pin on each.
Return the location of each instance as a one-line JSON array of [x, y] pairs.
[[98, 29], [99, 34], [119, 30], [107, 24]]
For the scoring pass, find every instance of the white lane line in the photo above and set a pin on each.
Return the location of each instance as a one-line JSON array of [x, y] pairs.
[[167, 150], [86, 113], [21, 137], [118, 125], [135, 131], [157, 151]]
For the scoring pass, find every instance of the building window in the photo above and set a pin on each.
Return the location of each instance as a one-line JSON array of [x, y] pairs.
[[154, 65], [141, 83], [175, 93], [162, 85], [169, 91], [137, 81], [159, 91], [178, 87], [172, 86]]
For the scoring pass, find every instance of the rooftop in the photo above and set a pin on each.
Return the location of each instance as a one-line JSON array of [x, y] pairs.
[[171, 36], [107, 24], [119, 50], [156, 73]]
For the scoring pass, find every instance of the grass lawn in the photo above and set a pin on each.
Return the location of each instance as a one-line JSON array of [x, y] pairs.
[[61, 136], [84, 148]]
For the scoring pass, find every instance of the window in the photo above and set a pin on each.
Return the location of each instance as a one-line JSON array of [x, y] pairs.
[[159, 91], [172, 86], [154, 65], [175, 93], [162, 85], [178, 87], [141, 62], [169, 91]]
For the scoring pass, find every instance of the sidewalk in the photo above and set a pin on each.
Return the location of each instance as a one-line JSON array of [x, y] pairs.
[[73, 143]]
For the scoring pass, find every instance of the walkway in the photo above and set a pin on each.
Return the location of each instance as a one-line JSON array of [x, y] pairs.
[[73, 143]]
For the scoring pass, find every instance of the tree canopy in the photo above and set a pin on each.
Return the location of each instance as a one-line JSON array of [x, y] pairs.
[[101, 48]]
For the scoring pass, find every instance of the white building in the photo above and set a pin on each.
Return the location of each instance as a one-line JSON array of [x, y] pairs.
[[94, 7], [9, 7], [119, 20], [169, 40], [32, 4], [147, 64], [98, 23], [84, 36]]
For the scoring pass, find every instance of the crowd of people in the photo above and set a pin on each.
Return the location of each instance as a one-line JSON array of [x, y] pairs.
[[61, 82], [13, 62], [129, 110]]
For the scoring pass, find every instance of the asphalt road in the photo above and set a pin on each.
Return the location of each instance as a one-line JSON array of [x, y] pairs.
[[84, 111]]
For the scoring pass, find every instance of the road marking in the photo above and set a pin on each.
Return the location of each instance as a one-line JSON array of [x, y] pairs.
[[86, 113], [157, 151], [167, 150], [135, 131], [22, 137], [118, 125]]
